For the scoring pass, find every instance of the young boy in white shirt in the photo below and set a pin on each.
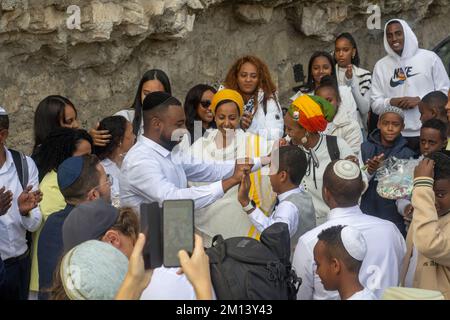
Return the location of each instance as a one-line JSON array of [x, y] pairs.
[[294, 206], [338, 256]]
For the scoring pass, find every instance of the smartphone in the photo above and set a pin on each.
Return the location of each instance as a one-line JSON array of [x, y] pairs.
[[177, 230], [249, 106], [150, 225]]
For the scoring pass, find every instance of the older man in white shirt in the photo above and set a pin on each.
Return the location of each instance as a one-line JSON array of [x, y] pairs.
[[386, 247], [19, 213], [151, 172]]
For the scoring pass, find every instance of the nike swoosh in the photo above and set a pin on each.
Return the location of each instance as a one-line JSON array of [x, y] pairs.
[[412, 75], [396, 83]]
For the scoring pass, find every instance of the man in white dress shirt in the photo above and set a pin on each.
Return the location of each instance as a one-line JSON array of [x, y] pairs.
[[342, 187], [151, 172], [20, 213]]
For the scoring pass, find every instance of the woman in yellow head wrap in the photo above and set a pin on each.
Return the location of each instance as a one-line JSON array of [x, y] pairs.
[[227, 143], [305, 120]]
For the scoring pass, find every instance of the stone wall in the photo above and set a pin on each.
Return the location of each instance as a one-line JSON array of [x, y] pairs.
[[99, 63]]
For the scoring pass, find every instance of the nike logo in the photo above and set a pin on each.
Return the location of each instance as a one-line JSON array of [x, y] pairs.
[[400, 76]]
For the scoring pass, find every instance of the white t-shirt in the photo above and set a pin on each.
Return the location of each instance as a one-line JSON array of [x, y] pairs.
[[166, 284], [364, 294]]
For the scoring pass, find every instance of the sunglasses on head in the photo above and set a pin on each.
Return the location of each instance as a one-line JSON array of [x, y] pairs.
[[205, 103]]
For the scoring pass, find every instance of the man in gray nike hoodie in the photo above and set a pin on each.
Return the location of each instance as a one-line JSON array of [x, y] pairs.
[[404, 76]]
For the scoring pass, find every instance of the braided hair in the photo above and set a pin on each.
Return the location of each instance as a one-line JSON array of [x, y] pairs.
[[60, 144]]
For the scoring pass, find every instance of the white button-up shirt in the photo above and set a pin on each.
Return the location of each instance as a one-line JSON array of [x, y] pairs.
[[166, 284], [380, 268], [285, 212], [13, 225], [151, 173]]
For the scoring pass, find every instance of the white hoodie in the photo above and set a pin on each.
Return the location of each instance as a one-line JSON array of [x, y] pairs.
[[414, 74]]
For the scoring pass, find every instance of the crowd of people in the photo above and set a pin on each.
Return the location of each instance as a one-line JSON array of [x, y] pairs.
[[69, 213]]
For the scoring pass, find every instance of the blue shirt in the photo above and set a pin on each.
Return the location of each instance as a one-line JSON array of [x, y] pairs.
[[50, 248]]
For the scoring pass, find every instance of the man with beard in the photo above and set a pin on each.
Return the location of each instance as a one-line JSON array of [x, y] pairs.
[[153, 171]]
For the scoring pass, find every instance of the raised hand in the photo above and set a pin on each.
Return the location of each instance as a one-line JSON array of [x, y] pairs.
[[196, 268], [425, 168], [349, 72], [28, 200], [6, 197], [246, 120], [101, 137], [243, 191], [374, 163]]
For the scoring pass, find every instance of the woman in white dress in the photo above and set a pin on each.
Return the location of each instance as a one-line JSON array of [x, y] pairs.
[[227, 143]]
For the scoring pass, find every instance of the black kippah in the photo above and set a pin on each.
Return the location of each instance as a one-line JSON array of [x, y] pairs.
[[155, 99]]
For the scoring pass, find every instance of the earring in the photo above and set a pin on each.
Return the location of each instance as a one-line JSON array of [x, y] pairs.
[[304, 140]]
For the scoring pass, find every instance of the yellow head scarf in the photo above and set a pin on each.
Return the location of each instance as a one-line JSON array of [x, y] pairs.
[[227, 94]]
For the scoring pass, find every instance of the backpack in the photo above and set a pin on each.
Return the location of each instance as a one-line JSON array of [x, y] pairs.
[[243, 268], [21, 164], [332, 146]]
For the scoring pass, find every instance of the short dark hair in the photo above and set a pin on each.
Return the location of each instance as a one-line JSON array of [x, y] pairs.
[[437, 124], [436, 100], [393, 22], [116, 125], [160, 109], [4, 122], [88, 179], [331, 237], [441, 165], [292, 159], [346, 193]]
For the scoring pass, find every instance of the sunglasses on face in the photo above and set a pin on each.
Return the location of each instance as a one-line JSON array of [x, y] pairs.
[[205, 103]]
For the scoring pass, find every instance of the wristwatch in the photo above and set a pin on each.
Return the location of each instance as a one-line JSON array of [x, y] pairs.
[[248, 207]]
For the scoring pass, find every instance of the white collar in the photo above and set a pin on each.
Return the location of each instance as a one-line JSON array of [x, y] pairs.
[[8, 162], [342, 212], [286, 194], [107, 162], [155, 146]]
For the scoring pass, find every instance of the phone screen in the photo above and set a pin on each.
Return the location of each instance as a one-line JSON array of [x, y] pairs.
[[178, 230], [150, 225]]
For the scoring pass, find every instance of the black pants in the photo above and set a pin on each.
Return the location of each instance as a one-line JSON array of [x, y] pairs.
[[17, 283]]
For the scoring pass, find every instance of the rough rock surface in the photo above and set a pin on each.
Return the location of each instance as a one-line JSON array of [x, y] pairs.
[[98, 63]]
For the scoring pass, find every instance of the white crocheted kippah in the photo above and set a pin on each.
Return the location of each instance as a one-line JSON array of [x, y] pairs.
[[346, 169], [354, 242]]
